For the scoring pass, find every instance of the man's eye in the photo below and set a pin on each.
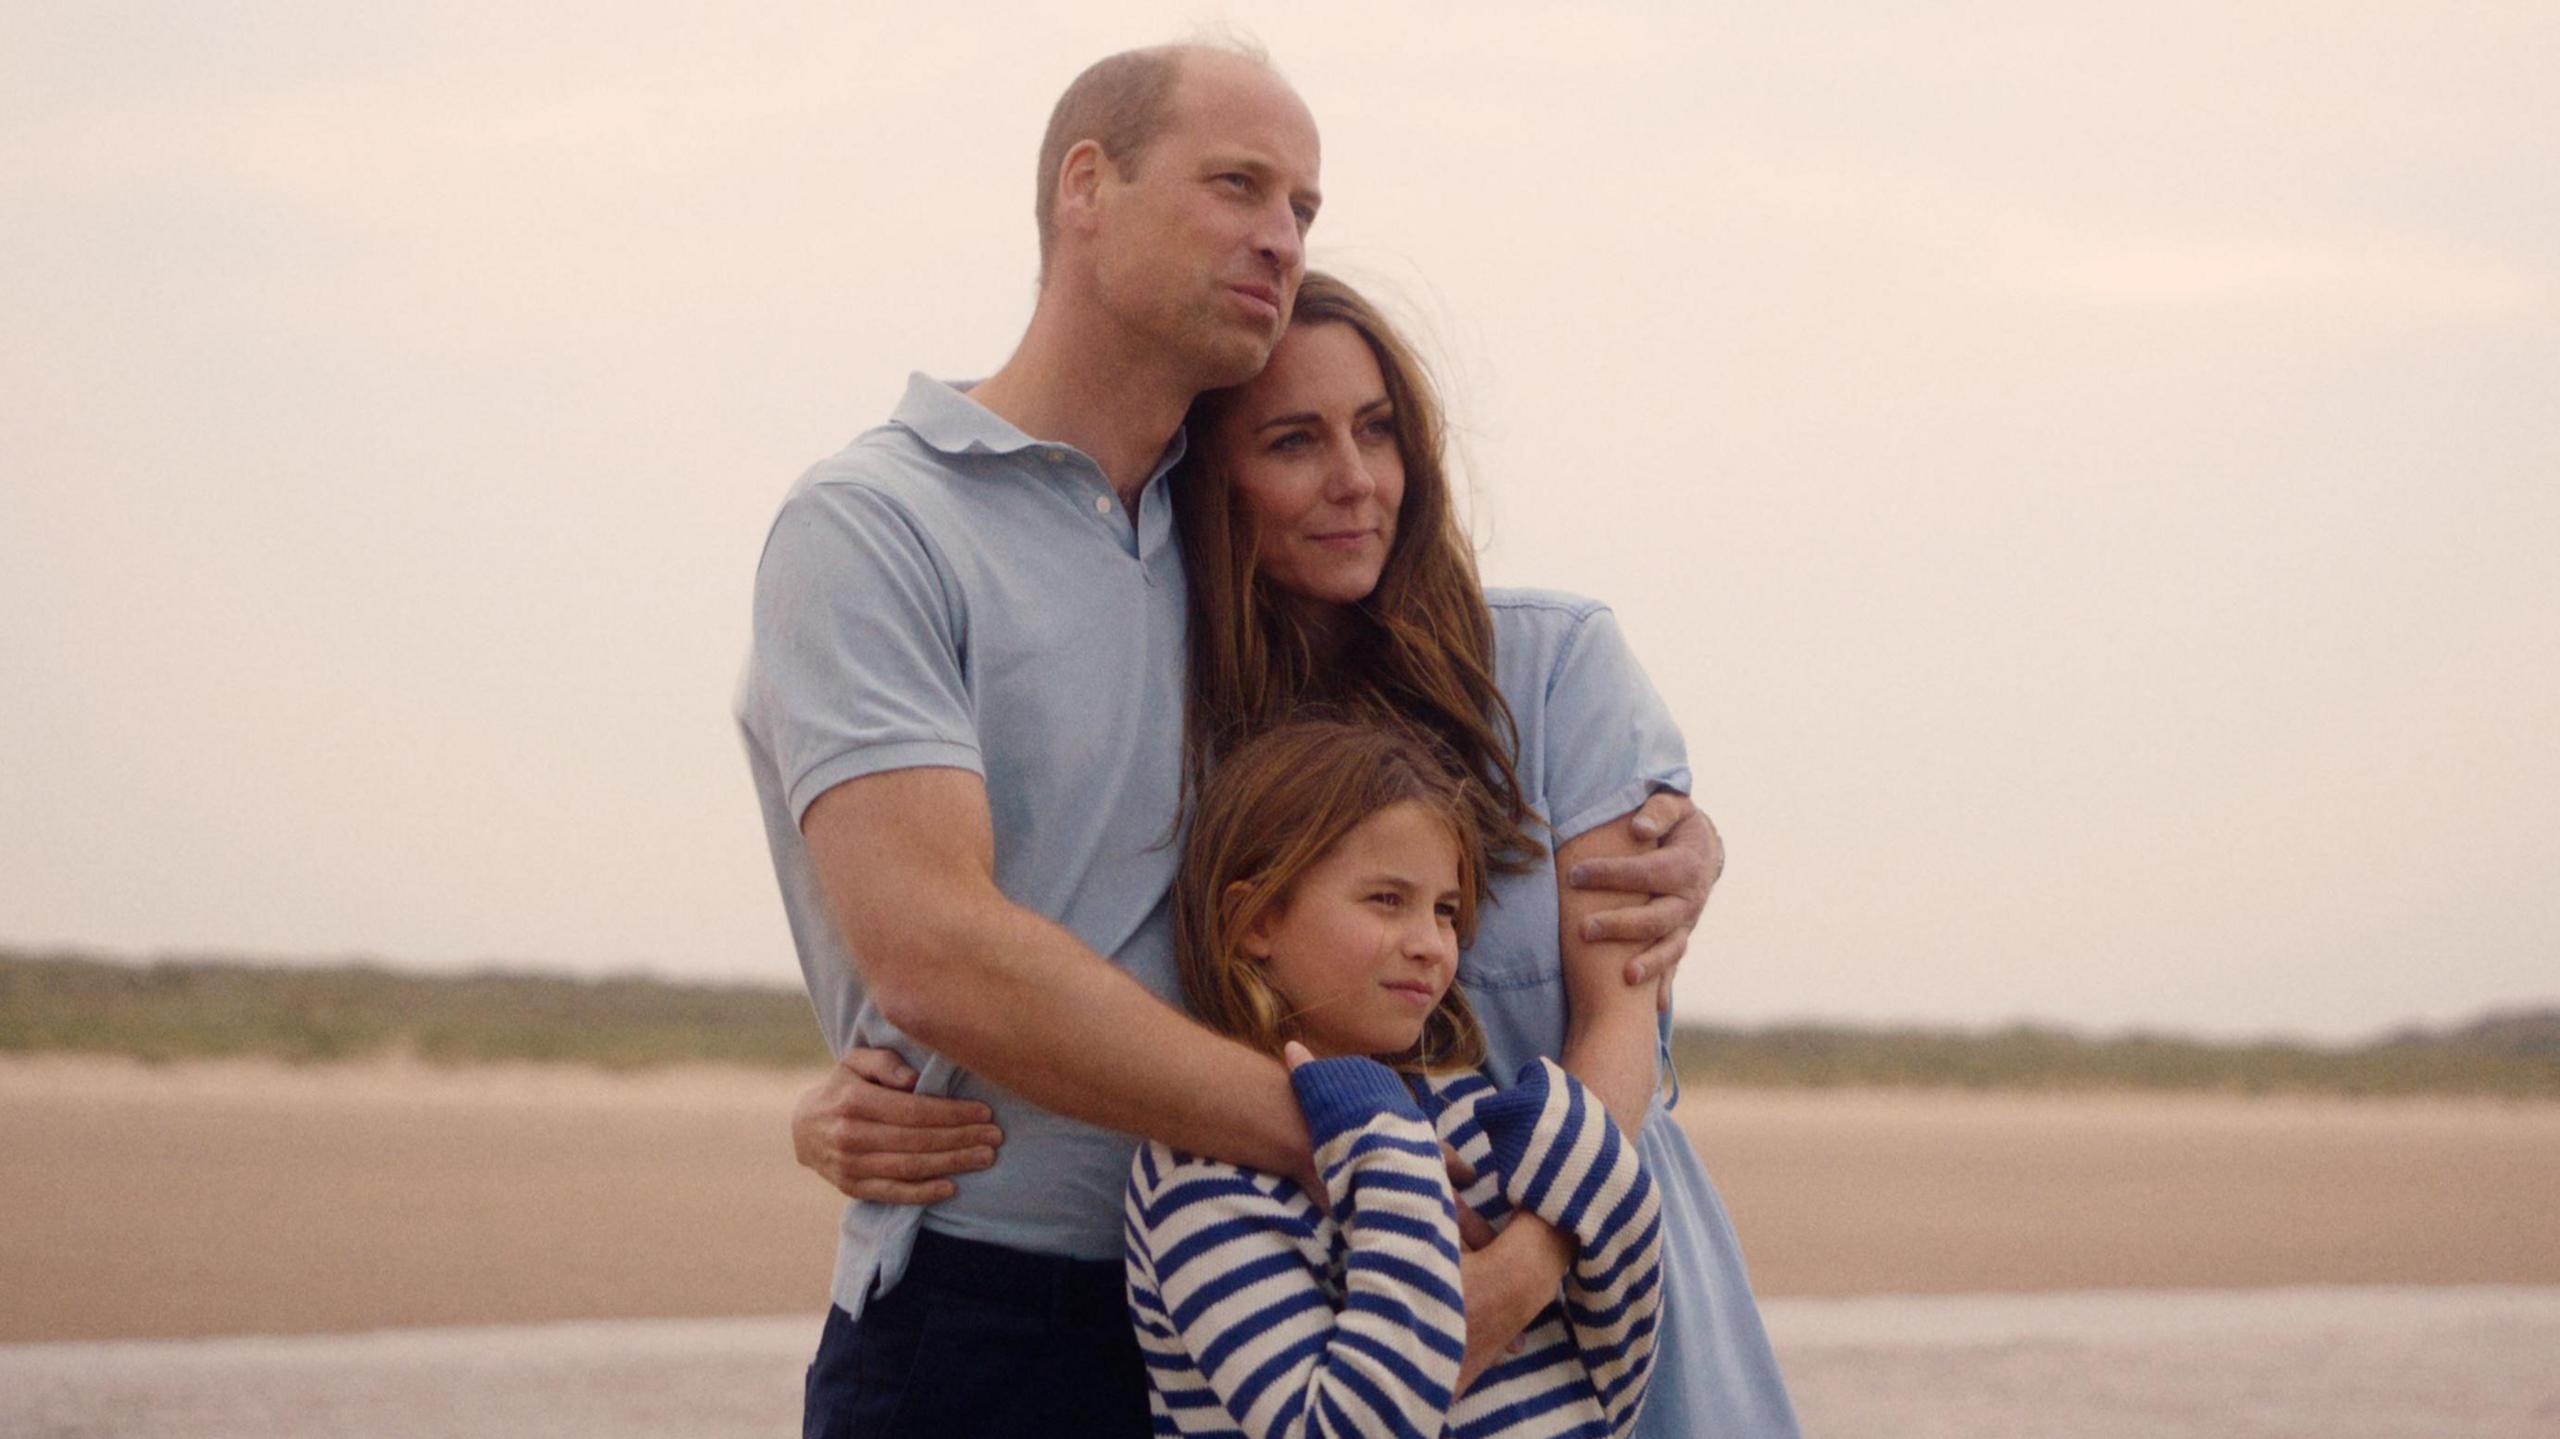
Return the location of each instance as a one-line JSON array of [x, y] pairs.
[[1236, 180], [1306, 218]]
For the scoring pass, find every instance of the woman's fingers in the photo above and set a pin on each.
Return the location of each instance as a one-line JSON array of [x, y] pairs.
[[1297, 1054], [884, 1191], [869, 1136], [861, 1131], [880, 1066], [872, 1084], [865, 1161], [914, 1111]]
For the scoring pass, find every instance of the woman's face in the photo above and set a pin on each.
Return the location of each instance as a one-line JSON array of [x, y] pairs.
[[1310, 447]]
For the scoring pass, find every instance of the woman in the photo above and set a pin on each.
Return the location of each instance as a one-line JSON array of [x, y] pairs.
[[1326, 564]]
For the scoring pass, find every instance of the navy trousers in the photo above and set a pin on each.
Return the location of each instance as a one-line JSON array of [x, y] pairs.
[[979, 1342]]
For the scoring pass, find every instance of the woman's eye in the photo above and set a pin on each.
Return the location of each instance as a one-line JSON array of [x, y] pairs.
[[1447, 909], [1293, 441], [1381, 428], [1387, 899]]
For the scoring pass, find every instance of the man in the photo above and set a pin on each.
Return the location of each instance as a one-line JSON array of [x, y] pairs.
[[963, 711]]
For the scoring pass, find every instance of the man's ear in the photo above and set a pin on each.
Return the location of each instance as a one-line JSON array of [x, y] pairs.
[[1079, 181]]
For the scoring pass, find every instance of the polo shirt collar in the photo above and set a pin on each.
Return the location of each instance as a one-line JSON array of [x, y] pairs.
[[945, 418]]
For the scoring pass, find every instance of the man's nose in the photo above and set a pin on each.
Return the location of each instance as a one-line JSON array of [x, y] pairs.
[[1279, 243]]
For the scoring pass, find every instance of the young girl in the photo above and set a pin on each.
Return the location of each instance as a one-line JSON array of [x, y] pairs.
[[1328, 880]]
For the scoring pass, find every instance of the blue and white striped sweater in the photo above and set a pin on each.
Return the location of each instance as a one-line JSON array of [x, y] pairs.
[[1260, 1315]]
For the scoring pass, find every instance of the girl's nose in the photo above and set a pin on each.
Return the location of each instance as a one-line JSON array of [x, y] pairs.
[[1430, 939]]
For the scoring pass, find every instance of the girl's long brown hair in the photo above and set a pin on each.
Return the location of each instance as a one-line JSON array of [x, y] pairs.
[[1421, 646], [1274, 808]]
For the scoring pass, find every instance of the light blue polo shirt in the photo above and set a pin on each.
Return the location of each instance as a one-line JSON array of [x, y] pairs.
[[948, 591]]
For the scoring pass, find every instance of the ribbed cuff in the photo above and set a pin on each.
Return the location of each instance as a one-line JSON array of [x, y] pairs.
[[1510, 1118], [1342, 1094]]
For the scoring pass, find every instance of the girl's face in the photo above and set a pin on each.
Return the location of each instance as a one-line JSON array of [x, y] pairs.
[[1310, 446], [1365, 943]]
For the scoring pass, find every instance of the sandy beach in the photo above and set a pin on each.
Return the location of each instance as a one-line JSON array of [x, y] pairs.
[[255, 1249], [263, 1199]]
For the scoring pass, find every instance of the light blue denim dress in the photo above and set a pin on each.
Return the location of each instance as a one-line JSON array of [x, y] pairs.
[[1595, 739]]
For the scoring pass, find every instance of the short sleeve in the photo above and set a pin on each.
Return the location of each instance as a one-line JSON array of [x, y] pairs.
[[1610, 740], [855, 666]]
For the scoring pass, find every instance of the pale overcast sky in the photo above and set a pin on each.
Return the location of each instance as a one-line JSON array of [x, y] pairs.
[[2086, 477]]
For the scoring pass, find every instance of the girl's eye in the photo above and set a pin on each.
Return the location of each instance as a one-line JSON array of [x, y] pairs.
[[1447, 909], [1387, 899]]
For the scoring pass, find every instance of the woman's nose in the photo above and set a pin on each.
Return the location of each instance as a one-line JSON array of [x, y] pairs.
[[1351, 479]]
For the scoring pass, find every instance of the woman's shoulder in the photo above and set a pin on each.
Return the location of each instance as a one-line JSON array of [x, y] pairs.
[[1536, 631], [1518, 605]]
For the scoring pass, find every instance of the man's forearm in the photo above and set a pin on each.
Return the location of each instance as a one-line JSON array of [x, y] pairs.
[[906, 860], [1015, 997]]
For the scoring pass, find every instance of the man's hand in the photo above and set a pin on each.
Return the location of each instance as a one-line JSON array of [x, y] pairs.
[[1676, 875], [863, 1132]]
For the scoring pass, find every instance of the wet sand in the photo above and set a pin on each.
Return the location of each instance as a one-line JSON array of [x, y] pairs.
[[2157, 1364], [261, 1199]]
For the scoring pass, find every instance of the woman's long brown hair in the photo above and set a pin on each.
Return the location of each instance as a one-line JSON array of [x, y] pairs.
[[1421, 644]]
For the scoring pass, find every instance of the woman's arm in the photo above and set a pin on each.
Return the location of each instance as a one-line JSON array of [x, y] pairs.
[[1611, 1043], [1229, 1309]]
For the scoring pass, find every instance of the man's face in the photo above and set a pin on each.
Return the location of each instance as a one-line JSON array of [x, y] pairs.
[[1200, 252]]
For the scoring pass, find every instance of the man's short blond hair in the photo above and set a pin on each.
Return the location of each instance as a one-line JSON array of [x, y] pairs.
[[1122, 102]]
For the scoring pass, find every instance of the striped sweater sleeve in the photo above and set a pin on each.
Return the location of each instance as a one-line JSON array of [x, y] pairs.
[[1231, 1312], [1562, 1159]]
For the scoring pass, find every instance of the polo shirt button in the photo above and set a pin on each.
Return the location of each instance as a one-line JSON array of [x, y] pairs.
[[1516, 1345], [1102, 504], [1054, 455]]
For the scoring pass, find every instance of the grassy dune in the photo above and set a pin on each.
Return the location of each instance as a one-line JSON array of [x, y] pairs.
[[180, 1009]]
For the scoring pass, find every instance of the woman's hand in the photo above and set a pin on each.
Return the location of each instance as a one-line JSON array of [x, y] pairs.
[[1676, 875], [861, 1130]]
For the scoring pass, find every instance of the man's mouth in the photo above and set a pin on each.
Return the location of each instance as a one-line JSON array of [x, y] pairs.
[[1261, 299]]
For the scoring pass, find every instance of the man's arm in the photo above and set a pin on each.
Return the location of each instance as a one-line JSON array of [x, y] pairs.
[[906, 861]]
